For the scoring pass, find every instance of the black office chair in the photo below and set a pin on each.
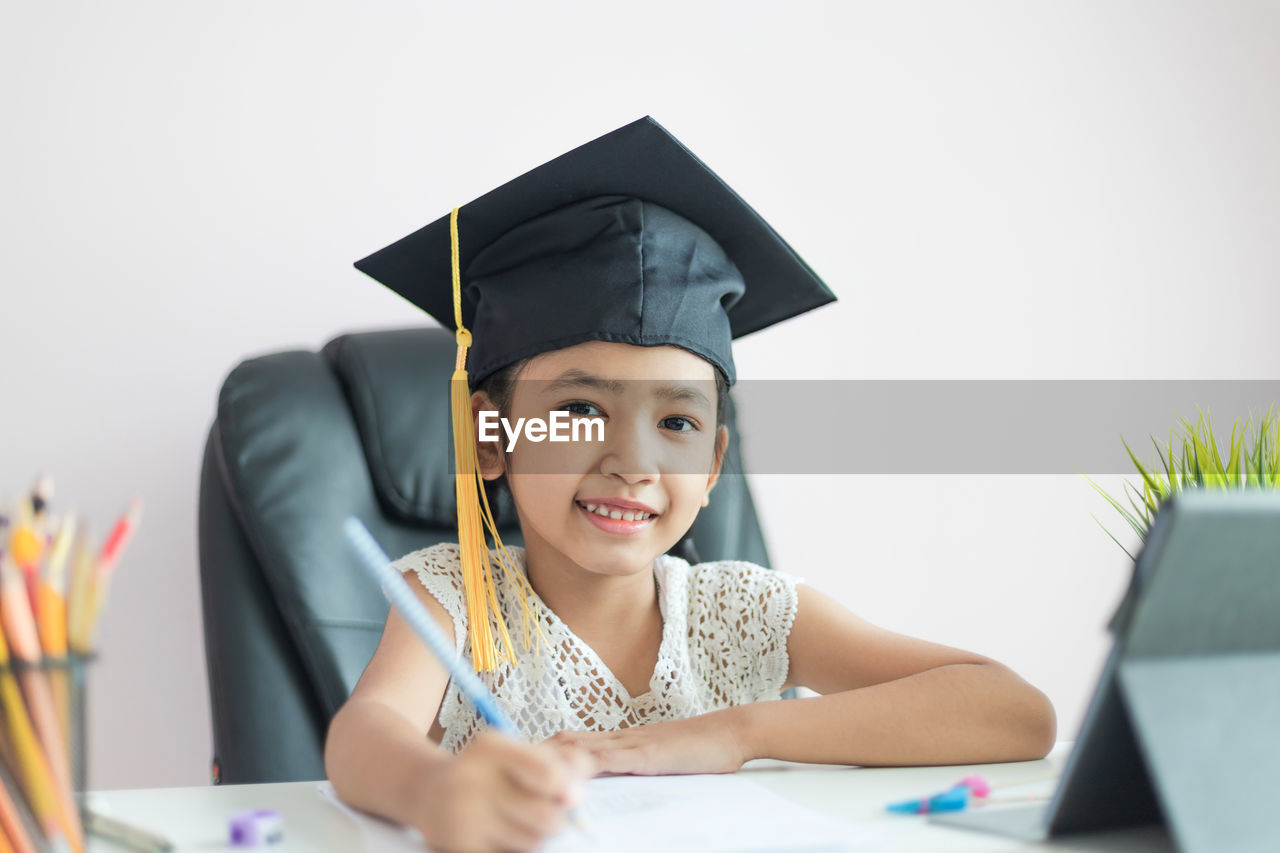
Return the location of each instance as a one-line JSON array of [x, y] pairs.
[[301, 440]]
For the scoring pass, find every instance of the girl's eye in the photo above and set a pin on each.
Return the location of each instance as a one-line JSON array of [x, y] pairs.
[[580, 408], [675, 423]]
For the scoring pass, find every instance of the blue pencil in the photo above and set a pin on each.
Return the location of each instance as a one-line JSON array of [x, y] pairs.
[[397, 589]]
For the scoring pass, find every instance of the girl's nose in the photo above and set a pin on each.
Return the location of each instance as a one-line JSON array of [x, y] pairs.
[[629, 453]]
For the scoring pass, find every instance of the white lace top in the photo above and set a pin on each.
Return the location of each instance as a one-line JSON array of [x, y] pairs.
[[724, 643]]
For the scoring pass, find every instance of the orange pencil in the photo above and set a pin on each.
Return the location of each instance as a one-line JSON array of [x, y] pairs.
[[20, 629], [26, 546], [54, 579], [37, 779]]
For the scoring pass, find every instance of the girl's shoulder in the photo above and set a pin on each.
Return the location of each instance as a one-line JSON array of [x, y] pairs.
[[737, 616], [444, 558], [439, 570], [721, 580]]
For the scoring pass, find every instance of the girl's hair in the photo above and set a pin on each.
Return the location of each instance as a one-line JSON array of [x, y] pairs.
[[501, 385]]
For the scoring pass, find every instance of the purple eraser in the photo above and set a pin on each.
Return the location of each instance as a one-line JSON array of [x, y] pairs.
[[258, 826]]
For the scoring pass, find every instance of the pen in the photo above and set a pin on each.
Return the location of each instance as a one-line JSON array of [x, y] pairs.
[[396, 588]]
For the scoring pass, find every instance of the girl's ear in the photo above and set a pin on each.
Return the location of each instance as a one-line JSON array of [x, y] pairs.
[[489, 453], [722, 444]]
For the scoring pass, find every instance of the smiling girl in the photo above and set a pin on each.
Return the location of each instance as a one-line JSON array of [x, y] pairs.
[[609, 284]]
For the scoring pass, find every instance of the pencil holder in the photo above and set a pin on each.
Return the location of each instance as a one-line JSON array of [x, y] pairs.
[[55, 701], [76, 666]]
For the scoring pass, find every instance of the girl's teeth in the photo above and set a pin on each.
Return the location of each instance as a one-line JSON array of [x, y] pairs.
[[616, 514]]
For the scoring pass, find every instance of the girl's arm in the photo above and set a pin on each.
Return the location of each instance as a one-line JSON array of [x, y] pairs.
[[889, 699], [496, 794]]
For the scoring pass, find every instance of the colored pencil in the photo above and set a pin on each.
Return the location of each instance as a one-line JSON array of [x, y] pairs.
[[33, 767], [397, 591], [19, 824], [41, 494], [107, 560], [20, 632], [78, 587], [51, 620], [26, 547], [53, 587]]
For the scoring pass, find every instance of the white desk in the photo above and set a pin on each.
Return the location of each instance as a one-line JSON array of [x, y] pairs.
[[197, 818]]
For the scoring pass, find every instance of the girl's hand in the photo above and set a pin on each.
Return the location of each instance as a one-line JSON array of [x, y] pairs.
[[498, 794], [710, 743]]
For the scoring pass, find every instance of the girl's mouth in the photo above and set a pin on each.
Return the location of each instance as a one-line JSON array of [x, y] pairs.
[[612, 519]]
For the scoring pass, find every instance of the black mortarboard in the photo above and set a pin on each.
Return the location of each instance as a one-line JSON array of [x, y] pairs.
[[629, 238]]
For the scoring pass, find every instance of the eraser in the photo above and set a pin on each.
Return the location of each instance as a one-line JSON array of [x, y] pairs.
[[254, 827]]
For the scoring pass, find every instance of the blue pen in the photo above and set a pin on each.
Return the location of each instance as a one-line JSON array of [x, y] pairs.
[[397, 589]]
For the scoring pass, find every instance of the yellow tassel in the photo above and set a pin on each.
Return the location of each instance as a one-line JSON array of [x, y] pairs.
[[474, 514]]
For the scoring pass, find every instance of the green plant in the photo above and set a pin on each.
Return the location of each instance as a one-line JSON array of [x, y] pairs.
[[1252, 461]]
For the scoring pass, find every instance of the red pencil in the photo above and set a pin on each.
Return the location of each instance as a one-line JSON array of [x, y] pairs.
[[107, 560], [119, 538]]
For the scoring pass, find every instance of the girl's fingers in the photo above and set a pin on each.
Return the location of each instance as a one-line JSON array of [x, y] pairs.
[[503, 836], [539, 772], [529, 817], [617, 761], [580, 759], [552, 771]]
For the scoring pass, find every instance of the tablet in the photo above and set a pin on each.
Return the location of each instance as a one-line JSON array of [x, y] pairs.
[[1182, 726]]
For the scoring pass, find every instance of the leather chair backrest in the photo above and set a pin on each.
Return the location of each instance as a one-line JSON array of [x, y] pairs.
[[301, 440]]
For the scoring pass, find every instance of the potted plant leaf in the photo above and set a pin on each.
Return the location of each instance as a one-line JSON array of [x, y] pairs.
[[1190, 459]]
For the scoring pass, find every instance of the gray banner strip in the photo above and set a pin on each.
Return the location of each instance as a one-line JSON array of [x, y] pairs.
[[973, 427]]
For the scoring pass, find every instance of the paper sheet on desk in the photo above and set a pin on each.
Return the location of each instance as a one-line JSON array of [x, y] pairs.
[[378, 835], [674, 814]]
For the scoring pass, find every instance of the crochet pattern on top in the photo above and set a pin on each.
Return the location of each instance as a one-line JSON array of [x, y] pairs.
[[724, 643]]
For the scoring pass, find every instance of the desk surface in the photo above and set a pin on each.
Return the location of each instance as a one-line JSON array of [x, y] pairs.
[[197, 818]]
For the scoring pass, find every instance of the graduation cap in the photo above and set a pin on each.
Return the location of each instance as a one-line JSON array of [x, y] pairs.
[[629, 238]]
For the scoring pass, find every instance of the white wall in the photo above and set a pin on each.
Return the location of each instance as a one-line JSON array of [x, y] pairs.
[[995, 190]]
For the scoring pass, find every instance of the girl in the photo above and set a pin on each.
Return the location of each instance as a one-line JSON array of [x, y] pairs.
[[607, 285]]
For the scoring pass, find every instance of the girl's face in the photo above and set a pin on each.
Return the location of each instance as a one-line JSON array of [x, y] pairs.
[[610, 506]]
